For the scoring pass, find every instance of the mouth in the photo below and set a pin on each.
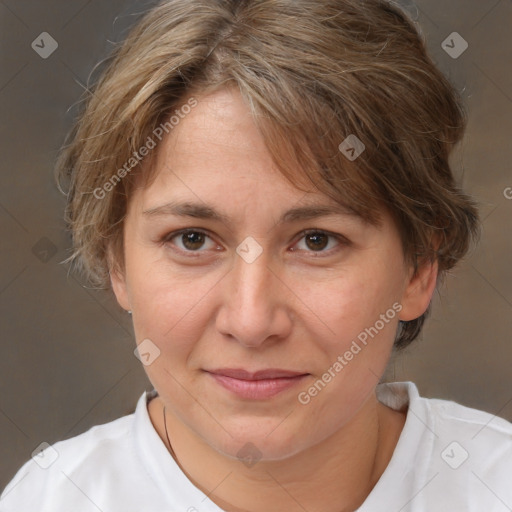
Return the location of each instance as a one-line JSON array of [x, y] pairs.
[[256, 385]]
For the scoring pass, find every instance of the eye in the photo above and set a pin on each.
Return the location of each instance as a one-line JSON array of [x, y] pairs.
[[317, 240], [190, 240], [196, 241]]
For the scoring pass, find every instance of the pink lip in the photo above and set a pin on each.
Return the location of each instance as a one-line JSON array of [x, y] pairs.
[[256, 385]]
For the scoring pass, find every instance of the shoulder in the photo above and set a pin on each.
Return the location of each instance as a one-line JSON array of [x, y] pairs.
[[449, 433], [466, 422], [448, 457], [445, 416], [464, 433], [470, 448], [58, 470]]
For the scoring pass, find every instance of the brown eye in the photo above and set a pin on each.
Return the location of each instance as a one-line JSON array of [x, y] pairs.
[[317, 241], [190, 240], [320, 242], [193, 240]]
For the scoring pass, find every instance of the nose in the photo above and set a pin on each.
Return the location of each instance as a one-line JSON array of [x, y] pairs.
[[255, 307]]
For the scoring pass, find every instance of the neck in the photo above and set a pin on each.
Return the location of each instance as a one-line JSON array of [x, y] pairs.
[[334, 475]]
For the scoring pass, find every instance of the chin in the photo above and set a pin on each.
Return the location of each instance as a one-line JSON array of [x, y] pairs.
[[254, 441]]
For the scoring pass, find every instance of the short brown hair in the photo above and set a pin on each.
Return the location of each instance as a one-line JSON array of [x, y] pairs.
[[312, 72]]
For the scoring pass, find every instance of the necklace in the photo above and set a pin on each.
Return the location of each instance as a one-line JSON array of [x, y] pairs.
[[167, 436]]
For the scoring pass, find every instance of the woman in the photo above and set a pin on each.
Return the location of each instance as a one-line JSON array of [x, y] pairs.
[[265, 186]]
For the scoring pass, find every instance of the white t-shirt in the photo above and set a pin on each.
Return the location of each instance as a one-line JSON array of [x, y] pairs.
[[449, 458]]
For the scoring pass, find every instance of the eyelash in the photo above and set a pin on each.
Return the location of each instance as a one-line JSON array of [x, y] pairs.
[[342, 241]]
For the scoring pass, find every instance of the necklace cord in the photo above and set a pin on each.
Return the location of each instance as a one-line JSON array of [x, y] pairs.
[[167, 436]]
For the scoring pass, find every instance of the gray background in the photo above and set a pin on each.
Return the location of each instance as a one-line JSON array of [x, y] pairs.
[[67, 358]]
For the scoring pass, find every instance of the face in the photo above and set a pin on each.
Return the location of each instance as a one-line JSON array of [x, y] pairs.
[[253, 289]]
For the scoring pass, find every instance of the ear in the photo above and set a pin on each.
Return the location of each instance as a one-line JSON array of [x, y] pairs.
[[419, 290], [118, 281]]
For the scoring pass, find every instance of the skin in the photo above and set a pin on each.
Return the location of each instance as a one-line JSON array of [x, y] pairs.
[[295, 307]]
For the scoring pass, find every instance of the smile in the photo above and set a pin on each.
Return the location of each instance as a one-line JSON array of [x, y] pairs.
[[258, 385]]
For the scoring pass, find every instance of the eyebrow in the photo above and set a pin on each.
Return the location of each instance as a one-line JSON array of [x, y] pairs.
[[204, 211]]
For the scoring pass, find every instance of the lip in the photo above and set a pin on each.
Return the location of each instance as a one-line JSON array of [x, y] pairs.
[[256, 385]]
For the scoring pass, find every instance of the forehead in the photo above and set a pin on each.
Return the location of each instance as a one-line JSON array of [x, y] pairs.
[[219, 128], [215, 159], [215, 149]]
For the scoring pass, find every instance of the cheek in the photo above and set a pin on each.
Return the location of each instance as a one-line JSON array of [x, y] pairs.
[[353, 301], [358, 308], [170, 311], [171, 307]]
